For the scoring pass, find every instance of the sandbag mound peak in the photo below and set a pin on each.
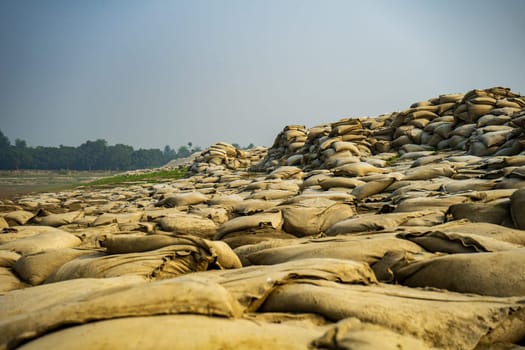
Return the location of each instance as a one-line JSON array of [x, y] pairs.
[[480, 122]]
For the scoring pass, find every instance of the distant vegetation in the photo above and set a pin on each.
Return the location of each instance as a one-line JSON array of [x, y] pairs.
[[91, 155], [153, 176]]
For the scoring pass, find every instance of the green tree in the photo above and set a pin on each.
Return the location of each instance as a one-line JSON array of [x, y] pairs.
[[183, 152], [119, 157], [169, 153], [91, 155]]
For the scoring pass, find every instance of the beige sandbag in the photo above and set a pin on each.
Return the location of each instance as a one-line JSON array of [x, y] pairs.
[[180, 332], [476, 110], [458, 186], [454, 243], [490, 119], [498, 232], [345, 146], [499, 274], [495, 212], [183, 199], [8, 258], [266, 219], [428, 159], [18, 217], [495, 138], [126, 298], [225, 201], [120, 218], [339, 181], [351, 334], [275, 184], [221, 254], [441, 319], [373, 187], [366, 249], [373, 222], [35, 268], [429, 171], [9, 281], [252, 206], [435, 203], [217, 215], [188, 225], [517, 208], [286, 172], [357, 169], [162, 263], [251, 285], [271, 195], [3, 223], [314, 216], [56, 220], [255, 236], [464, 130], [43, 241]]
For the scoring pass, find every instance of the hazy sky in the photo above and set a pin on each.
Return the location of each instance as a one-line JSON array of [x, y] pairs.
[[148, 73]]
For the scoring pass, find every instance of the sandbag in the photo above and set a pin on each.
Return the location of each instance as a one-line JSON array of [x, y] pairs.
[[373, 222], [183, 199], [9, 281], [252, 206], [18, 217], [339, 181], [162, 263], [286, 172], [495, 212], [458, 186], [8, 258], [179, 332], [217, 215], [266, 219], [498, 232], [120, 218], [436, 203], [373, 187], [270, 195], [357, 169], [255, 236], [35, 268], [56, 220], [430, 171], [517, 208], [455, 243], [251, 285], [499, 274], [314, 216], [116, 299], [223, 256], [351, 334], [189, 225], [367, 249], [3, 223], [441, 319], [42, 241]]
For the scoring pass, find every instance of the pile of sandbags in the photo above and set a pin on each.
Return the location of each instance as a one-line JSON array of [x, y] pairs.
[[286, 149], [480, 122], [225, 154]]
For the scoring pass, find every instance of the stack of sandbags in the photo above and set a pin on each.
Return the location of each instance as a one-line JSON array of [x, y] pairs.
[[346, 143], [227, 155], [480, 122], [286, 149]]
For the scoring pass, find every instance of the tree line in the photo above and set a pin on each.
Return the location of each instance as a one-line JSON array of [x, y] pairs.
[[91, 155]]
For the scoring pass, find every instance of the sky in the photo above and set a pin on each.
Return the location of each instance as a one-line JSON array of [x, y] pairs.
[[167, 72]]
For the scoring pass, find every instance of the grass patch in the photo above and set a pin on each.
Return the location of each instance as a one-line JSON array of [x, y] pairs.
[[154, 176]]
